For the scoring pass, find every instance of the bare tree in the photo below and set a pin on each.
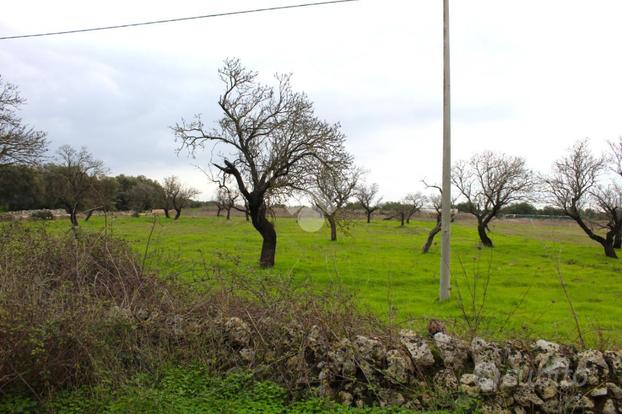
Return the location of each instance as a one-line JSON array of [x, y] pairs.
[[176, 195], [574, 185], [415, 201], [331, 190], [242, 208], [220, 202], [226, 199], [435, 201], [489, 182], [616, 164], [367, 197], [397, 209], [73, 179], [608, 199], [616, 156], [19, 143], [269, 135]]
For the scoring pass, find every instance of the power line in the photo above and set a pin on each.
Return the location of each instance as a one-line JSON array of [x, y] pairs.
[[179, 19]]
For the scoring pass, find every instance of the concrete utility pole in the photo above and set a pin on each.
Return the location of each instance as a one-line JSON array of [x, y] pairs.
[[446, 196]]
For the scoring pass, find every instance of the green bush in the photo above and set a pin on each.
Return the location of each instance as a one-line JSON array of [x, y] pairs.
[[42, 215]]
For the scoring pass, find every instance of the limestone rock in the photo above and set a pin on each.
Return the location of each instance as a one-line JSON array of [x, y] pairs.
[[598, 392], [446, 379], [609, 407], [592, 367], [469, 384], [585, 403], [314, 339], [546, 388], [342, 358], [508, 382], [418, 348], [388, 397], [238, 332], [614, 360], [369, 349], [615, 391], [483, 351], [399, 367], [526, 396], [551, 406], [519, 361], [549, 359], [567, 385], [487, 375], [454, 352]]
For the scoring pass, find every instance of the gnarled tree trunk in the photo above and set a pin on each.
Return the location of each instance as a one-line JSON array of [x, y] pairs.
[[177, 213], [617, 241], [228, 213], [73, 216], [482, 227], [431, 235], [610, 250], [333, 227], [369, 217], [607, 242], [167, 214], [258, 217]]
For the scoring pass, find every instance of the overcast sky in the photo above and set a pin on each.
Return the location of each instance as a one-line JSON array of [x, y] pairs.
[[529, 77]]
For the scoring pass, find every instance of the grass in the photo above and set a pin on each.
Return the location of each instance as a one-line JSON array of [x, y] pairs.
[[518, 281]]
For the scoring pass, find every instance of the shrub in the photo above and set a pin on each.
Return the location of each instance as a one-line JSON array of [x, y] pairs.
[[68, 310], [77, 311], [42, 215]]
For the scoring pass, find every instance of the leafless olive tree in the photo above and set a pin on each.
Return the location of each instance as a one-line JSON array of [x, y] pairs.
[[176, 196], [268, 136], [434, 201], [367, 198], [331, 189], [226, 199], [73, 179], [574, 185], [19, 143], [615, 160], [415, 201], [489, 182]]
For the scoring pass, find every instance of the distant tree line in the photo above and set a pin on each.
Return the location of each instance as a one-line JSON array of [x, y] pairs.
[[76, 182]]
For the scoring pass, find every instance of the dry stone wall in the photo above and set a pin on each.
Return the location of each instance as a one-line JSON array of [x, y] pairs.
[[411, 371]]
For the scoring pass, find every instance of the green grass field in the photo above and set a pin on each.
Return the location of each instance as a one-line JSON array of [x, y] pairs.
[[382, 264]]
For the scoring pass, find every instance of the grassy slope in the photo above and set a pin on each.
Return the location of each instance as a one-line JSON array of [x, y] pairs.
[[382, 263]]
